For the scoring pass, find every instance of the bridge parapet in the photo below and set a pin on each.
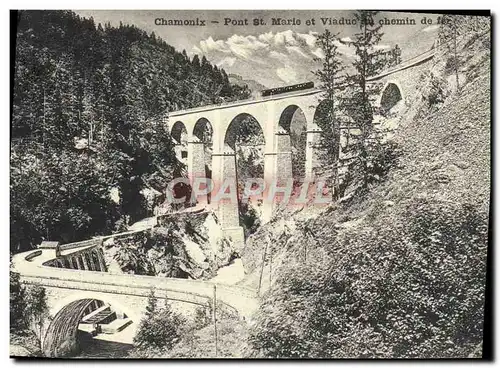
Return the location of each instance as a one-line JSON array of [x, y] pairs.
[[247, 101], [102, 287], [95, 242], [33, 255], [409, 63], [84, 255]]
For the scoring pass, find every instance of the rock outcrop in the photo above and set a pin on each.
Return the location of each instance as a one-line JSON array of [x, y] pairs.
[[185, 245]]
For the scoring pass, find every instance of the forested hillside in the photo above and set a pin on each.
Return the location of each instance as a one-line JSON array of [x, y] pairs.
[[85, 123]]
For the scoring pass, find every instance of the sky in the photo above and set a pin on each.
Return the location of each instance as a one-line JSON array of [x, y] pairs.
[[273, 55]]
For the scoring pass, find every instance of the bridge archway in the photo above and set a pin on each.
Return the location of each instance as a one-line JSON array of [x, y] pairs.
[[242, 159], [62, 336], [179, 132], [105, 297], [245, 137], [293, 122], [203, 135], [243, 129], [203, 130], [200, 149], [390, 96], [180, 135]]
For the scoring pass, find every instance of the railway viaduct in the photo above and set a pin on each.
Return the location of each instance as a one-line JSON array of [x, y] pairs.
[[274, 115]]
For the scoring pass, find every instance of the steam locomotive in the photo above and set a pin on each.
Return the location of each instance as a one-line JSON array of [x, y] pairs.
[[294, 87]]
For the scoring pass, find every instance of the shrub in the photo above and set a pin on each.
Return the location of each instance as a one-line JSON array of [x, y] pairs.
[[436, 92], [383, 159], [161, 327], [204, 315], [17, 303], [37, 310], [249, 218]]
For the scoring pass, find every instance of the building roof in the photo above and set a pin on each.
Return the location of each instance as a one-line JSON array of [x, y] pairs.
[[49, 244]]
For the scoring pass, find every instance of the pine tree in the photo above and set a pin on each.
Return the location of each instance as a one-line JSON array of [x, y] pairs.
[[152, 306], [196, 63], [160, 328], [205, 65], [395, 56], [362, 95], [332, 82]]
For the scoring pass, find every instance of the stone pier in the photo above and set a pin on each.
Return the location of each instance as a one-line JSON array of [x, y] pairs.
[[225, 176]]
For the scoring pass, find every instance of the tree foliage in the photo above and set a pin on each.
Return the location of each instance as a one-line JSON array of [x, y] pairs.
[[37, 310], [332, 81], [456, 32], [363, 141], [29, 311], [347, 111], [88, 111], [448, 34], [17, 303]]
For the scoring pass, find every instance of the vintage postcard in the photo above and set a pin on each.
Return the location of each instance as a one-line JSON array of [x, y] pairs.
[[282, 184]]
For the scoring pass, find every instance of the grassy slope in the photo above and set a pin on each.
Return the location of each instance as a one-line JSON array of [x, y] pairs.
[[231, 342], [447, 155], [199, 342]]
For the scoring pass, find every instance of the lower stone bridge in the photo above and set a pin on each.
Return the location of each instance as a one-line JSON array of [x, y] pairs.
[[77, 283]]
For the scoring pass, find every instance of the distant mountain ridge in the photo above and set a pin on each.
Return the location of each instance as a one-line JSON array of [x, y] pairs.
[[254, 86]]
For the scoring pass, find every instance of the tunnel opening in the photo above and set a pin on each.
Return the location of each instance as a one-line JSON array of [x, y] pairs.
[[293, 122], [180, 136], [85, 327]]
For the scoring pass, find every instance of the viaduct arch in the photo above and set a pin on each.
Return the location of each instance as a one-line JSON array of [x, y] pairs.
[[391, 94], [179, 135]]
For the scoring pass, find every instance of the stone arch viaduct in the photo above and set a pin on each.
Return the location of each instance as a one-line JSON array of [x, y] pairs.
[[273, 114]]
